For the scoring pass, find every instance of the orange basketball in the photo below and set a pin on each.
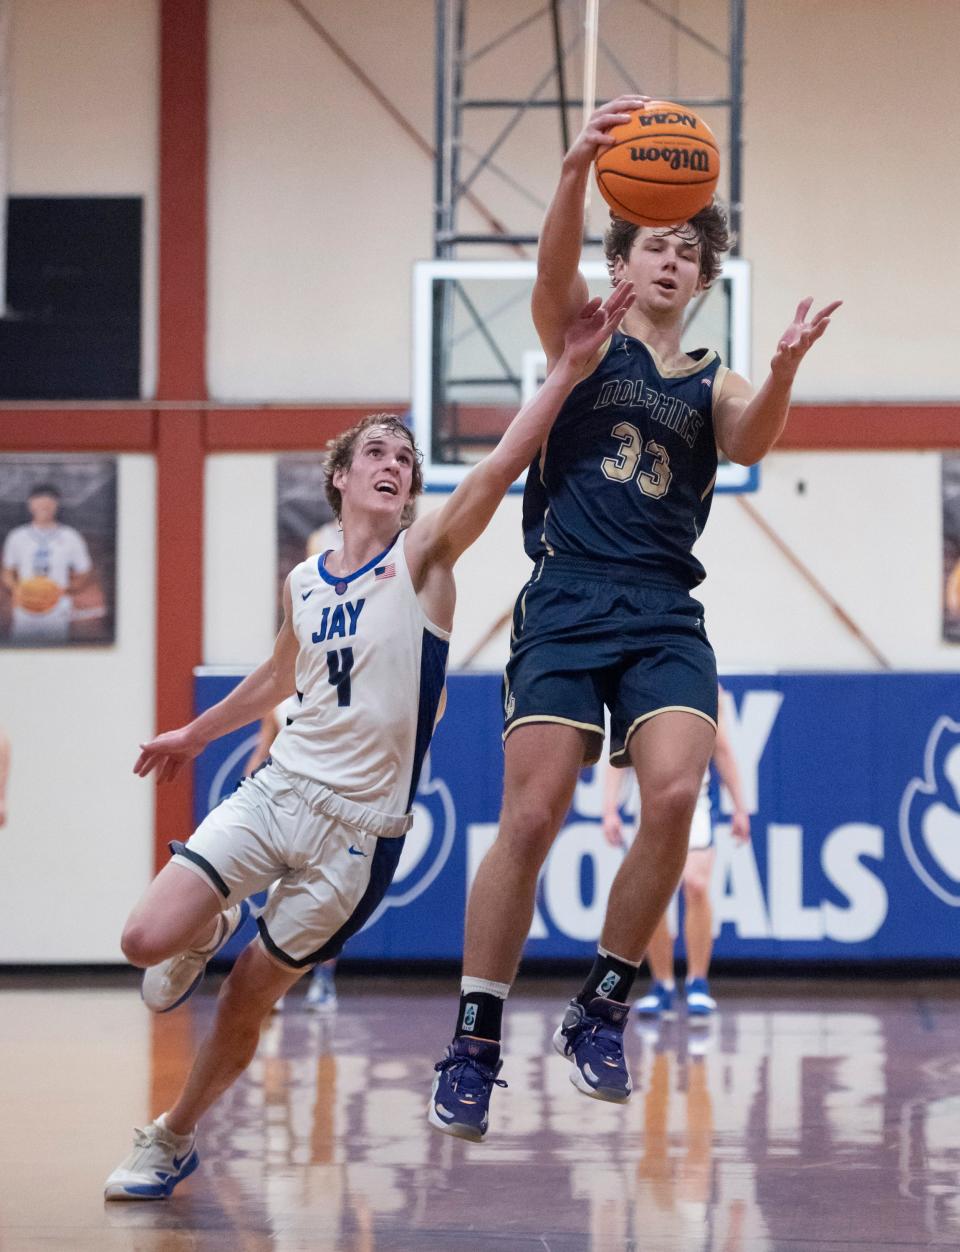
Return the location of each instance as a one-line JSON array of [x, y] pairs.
[[38, 594], [662, 167]]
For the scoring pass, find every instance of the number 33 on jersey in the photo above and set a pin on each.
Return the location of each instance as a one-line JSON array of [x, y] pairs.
[[630, 465]]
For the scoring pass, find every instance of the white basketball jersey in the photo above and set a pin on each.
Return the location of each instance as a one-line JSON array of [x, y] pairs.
[[370, 674]]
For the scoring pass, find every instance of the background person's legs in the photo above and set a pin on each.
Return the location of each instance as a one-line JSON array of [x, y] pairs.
[[698, 920], [660, 952], [670, 753], [658, 1000]]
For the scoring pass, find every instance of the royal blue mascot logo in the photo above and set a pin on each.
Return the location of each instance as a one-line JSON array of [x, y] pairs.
[[930, 815]]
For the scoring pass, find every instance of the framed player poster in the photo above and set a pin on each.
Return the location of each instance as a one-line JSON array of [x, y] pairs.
[[58, 541], [950, 491], [306, 525]]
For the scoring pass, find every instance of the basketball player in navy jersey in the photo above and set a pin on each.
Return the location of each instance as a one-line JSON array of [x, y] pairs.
[[363, 645], [615, 501]]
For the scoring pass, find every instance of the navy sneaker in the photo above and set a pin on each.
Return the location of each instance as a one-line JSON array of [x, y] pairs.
[[592, 1038], [700, 1003], [658, 1002], [460, 1102]]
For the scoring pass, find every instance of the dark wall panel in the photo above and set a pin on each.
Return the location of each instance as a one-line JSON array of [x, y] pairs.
[[72, 326]]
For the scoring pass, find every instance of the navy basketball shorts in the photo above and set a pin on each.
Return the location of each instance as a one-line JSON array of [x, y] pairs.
[[588, 634]]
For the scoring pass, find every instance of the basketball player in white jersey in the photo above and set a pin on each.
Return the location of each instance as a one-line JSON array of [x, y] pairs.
[[363, 644], [697, 872], [44, 548]]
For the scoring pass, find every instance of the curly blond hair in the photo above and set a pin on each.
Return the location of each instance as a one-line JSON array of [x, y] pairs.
[[340, 457], [709, 226]]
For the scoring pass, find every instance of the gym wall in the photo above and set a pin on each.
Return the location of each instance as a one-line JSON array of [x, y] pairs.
[[318, 205]]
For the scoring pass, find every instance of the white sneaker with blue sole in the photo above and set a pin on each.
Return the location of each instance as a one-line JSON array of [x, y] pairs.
[[321, 995], [658, 1002], [700, 1003], [159, 1160], [174, 980]]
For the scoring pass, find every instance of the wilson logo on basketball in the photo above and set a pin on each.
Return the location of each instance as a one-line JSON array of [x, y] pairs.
[[697, 160], [645, 118]]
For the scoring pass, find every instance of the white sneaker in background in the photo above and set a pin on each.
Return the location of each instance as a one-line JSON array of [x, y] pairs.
[[321, 995]]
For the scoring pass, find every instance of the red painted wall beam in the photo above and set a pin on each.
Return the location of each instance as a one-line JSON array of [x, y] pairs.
[[871, 427], [282, 428], [181, 376], [77, 430]]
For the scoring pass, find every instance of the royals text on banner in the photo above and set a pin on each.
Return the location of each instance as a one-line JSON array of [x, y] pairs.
[[853, 781]]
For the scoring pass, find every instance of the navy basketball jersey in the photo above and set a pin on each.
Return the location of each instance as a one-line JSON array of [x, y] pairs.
[[628, 470]]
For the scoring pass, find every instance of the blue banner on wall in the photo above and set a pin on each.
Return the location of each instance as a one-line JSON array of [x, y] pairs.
[[854, 785]]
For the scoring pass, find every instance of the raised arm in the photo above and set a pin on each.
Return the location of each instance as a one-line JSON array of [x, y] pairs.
[[749, 423], [258, 694], [438, 539], [560, 290]]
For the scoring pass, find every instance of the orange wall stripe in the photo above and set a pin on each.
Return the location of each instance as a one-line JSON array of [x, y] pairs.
[[77, 430], [278, 428], [282, 429], [871, 427], [183, 201], [181, 373], [179, 590]]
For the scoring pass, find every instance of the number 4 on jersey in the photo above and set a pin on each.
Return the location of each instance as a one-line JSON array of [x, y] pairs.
[[339, 665]]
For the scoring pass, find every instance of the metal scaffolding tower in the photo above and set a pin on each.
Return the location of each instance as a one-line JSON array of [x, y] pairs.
[[483, 168], [455, 186]]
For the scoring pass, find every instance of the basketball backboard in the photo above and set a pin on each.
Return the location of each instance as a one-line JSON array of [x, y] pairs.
[[477, 358]]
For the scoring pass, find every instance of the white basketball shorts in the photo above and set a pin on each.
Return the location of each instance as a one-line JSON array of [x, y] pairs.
[[326, 861], [701, 828]]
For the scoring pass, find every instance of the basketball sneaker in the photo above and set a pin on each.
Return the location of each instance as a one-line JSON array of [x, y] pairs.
[[159, 1160], [321, 995], [592, 1038], [466, 1077], [174, 980], [658, 1002], [700, 1003]]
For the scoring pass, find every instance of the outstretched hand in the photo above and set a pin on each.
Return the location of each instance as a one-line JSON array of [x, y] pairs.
[[596, 133], [800, 336], [595, 323], [167, 753]]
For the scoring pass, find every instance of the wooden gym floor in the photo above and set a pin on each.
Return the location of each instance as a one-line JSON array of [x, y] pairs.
[[809, 1117]]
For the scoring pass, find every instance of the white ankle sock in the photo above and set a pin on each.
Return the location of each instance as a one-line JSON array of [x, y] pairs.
[[161, 1121], [499, 989]]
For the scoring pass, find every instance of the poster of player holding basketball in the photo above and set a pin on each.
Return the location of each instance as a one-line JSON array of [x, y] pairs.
[[58, 525], [305, 521], [950, 479]]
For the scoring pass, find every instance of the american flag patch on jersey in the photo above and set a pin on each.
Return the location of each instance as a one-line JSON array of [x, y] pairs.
[[385, 571]]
